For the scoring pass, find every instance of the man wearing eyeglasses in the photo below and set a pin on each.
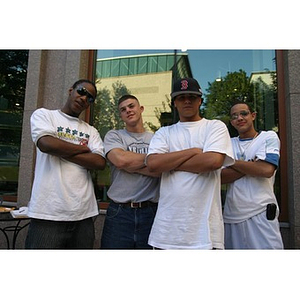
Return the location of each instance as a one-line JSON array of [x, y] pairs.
[[251, 210], [190, 155], [62, 201]]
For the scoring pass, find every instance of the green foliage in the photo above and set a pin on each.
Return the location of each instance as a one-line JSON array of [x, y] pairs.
[[221, 94], [106, 113], [236, 86], [13, 73], [164, 115]]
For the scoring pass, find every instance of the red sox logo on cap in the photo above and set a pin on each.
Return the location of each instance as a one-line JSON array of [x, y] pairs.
[[184, 84]]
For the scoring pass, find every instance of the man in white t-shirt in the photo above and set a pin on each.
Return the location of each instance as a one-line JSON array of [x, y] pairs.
[[190, 155], [62, 200], [251, 210]]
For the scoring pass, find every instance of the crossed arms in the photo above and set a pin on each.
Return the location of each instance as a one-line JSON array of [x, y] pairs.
[[78, 154], [241, 168], [189, 160], [130, 162]]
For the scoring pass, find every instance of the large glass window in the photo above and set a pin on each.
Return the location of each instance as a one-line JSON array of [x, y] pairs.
[[224, 75], [13, 71]]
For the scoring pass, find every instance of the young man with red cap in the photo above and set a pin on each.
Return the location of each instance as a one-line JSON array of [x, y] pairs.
[[190, 155]]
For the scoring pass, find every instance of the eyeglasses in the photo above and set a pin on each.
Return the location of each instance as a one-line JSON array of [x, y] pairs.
[[243, 113], [82, 91]]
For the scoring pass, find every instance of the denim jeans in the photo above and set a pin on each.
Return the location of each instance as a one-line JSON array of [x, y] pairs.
[[45, 234], [127, 228]]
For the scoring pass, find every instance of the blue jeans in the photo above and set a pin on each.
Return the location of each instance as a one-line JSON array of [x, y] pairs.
[[45, 234], [127, 228]]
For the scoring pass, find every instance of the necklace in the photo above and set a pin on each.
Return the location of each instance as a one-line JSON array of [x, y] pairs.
[[241, 154]]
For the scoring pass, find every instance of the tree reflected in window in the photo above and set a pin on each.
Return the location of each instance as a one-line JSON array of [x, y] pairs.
[[13, 73]]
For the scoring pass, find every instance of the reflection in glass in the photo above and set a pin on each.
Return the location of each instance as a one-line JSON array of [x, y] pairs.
[[13, 72], [148, 76], [224, 76]]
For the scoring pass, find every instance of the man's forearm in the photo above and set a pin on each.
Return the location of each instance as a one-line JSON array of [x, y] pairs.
[[126, 160], [145, 171], [90, 161], [165, 162], [229, 175], [78, 154], [203, 162], [57, 147], [254, 168]]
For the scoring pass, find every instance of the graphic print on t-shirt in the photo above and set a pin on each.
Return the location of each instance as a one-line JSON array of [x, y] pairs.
[[138, 148], [72, 135]]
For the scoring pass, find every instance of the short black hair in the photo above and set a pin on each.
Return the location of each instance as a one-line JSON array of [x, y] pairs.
[[241, 102], [78, 82], [125, 97]]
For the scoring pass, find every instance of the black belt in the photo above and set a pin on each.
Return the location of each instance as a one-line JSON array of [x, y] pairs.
[[136, 204]]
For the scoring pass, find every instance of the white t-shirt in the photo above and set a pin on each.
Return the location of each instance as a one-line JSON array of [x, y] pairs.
[[62, 190], [189, 214], [249, 196]]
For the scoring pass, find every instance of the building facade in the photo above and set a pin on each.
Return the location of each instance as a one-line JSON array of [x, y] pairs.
[[51, 72]]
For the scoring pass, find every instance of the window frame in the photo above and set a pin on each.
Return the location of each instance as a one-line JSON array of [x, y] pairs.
[[283, 171], [282, 128]]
